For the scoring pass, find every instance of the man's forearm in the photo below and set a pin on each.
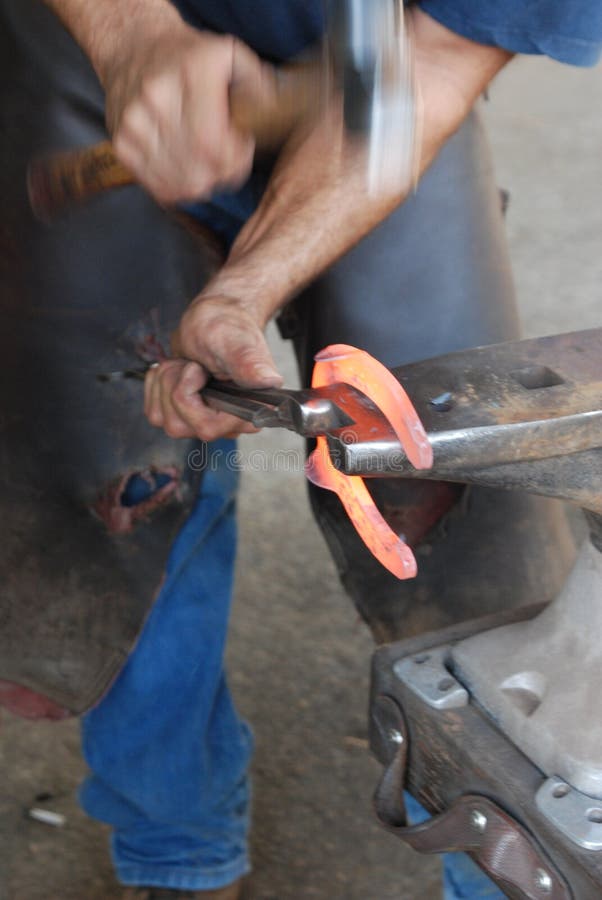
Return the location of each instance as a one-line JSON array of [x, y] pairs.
[[104, 28], [318, 205]]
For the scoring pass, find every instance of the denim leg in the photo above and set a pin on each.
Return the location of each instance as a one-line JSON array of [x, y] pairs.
[[462, 878], [167, 752]]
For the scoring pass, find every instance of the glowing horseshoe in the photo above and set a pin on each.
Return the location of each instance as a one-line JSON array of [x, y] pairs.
[[342, 363]]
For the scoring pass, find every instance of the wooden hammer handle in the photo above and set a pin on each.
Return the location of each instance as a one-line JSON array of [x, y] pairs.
[[59, 180], [55, 182]]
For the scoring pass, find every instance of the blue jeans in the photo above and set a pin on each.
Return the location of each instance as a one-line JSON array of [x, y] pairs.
[[168, 754], [462, 878]]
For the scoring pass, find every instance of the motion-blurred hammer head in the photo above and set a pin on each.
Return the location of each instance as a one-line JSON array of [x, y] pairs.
[[373, 67]]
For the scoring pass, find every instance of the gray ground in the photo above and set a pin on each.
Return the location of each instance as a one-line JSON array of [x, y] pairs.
[[301, 678]]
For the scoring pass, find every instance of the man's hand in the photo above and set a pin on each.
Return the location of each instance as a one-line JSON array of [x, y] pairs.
[[167, 94], [169, 113], [226, 338]]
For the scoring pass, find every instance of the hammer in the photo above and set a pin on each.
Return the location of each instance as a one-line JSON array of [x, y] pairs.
[[368, 61], [59, 180]]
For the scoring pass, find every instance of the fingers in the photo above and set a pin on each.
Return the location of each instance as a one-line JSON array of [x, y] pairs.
[[172, 121], [226, 340], [211, 133], [172, 402]]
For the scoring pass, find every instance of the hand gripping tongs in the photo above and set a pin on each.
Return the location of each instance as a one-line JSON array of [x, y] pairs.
[[352, 395]]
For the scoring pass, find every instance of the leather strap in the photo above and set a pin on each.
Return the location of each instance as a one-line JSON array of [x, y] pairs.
[[473, 824]]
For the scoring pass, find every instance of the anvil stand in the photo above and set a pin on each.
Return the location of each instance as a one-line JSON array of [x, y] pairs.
[[494, 724]]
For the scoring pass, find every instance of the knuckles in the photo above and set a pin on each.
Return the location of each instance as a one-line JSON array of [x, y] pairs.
[[155, 93], [181, 398], [155, 417], [178, 430], [212, 329]]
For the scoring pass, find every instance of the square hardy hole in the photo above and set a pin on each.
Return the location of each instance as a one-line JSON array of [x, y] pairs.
[[535, 377]]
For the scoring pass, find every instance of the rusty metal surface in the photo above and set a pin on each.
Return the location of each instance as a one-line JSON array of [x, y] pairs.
[[517, 381], [520, 415]]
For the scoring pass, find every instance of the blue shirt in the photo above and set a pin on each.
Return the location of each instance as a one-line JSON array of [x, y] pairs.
[[566, 30]]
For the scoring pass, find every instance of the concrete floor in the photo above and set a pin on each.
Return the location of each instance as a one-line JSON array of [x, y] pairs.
[[298, 656]]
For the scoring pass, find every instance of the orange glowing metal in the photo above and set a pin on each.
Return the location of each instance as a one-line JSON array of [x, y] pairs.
[[342, 363]]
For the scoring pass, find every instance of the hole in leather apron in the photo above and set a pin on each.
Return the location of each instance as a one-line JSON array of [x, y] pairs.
[[141, 486], [135, 496]]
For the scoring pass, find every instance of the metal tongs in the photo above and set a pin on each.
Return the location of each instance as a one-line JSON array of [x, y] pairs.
[[308, 412]]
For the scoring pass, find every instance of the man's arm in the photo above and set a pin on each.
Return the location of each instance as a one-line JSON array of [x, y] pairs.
[[316, 207]]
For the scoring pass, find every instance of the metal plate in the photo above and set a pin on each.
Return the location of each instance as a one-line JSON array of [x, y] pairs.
[[426, 674], [578, 816]]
